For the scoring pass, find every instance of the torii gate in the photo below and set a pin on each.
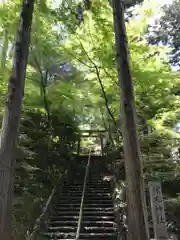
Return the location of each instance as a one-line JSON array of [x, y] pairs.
[[91, 133]]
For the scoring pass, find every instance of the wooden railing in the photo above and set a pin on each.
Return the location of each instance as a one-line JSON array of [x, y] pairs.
[[82, 198], [47, 208]]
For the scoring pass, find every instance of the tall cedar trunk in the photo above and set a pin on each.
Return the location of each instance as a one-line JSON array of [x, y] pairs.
[[11, 119], [137, 213]]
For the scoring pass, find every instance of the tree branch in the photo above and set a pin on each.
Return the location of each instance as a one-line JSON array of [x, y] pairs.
[[74, 56], [109, 75], [43, 88], [100, 82], [104, 94], [105, 126]]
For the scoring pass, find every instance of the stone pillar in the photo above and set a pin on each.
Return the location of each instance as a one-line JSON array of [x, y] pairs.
[[157, 208]]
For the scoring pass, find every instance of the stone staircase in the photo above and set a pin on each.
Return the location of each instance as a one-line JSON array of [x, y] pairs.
[[98, 220]]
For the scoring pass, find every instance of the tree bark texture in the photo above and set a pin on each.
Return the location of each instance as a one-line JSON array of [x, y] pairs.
[[11, 118], [137, 213]]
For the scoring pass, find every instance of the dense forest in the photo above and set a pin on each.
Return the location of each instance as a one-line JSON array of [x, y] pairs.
[[71, 84]]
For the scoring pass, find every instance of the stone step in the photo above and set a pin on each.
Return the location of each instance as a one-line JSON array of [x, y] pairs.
[[73, 197], [97, 193], [74, 193], [99, 209], [66, 209], [98, 218], [68, 205], [86, 212], [99, 205], [97, 229], [97, 189], [98, 198], [98, 185], [94, 190], [58, 238], [91, 194], [62, 229], [58, 235], [75, 188], [97, 182], [66, 213], [64, 218], [97, 213], [98, 223], [99, 236], [97, 201], [76, 201], [62, 223]]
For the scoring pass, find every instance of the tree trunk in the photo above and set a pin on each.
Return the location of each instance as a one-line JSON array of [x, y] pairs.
[[11, 119], [137, 213]]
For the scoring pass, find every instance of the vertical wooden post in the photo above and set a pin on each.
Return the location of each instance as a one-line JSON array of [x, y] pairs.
[[158, 214], [79, 146], [102, 147]]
